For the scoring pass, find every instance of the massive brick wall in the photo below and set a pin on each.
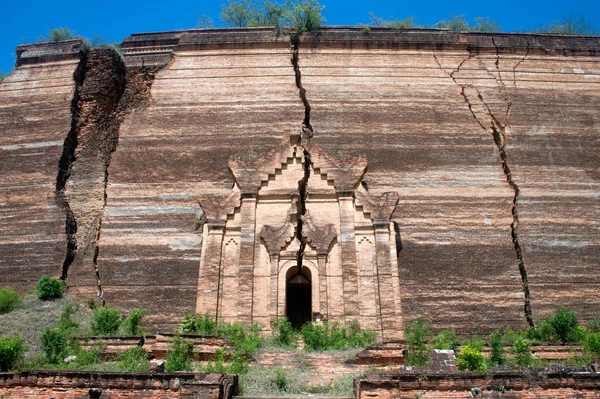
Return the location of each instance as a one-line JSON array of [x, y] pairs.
[[35, 118], [490, 141]]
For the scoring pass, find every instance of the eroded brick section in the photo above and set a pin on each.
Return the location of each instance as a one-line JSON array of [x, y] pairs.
[[513, 385], [79, 385]]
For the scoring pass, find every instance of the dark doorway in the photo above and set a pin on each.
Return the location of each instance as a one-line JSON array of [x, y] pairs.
[[298, 297]]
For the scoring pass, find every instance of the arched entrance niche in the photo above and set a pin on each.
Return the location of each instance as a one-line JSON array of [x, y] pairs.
[[290, 301], [298, 296]]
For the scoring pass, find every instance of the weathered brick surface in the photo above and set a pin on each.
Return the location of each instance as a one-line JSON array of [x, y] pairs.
[[35, 117], [80, 385], [468, 385], [455, 124]]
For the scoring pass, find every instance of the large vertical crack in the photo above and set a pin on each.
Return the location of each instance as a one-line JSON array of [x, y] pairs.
[[307, 133], [65, 165], [83, 168], [498, 130]]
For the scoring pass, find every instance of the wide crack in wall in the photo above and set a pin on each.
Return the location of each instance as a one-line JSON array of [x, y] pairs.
[[497, 129], [83, 168], [307, 134]]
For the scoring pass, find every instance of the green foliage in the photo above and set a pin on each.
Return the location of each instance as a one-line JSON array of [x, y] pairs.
[[135, 360], [406, 23], [235, 363], [106, 321], [563, 326], [50, 288], [57, 34], [9, 299], [417, 334], [204, 22], [245, 337], [570, 25], [12, 349], [3, 75], [332, 336], [279, 380], [446, 339], [591, 344], [132, 325], [594, 325], [459, 23], [485, 24], [179, 358], [238, 13], [55, 342], [67, 321], [198, 324], [471, 358], [497, 345], [283, 332], [303, 15], [521, 352]]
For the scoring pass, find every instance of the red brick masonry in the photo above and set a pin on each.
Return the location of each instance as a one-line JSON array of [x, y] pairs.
[[101, 385], [513, 385]]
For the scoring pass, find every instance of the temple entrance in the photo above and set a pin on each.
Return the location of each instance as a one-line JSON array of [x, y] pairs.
[[298, 297]]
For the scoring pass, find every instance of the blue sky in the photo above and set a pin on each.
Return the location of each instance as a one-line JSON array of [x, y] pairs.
[[23, 21]]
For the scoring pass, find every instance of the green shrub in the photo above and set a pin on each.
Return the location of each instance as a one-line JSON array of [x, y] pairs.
[[591, 344], [221, 362], [198, 324], [521, 352], [179, 358], [106, 321], [417, 334], [58, 34], [332, 336], [12, 349], [50, 288], [446, 339], [280, 380], [66, 321], [392, 23], [134, 360], [570, 25], [9, 299], [305, 15], [55, 342], [245, 337], [471, 358], [283, 332], [132, 325], [497, 346], [563, 326], [594, 325]]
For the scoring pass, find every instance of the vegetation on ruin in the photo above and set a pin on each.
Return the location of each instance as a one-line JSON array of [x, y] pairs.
[[417, 335], [333, 336], [302, 15], [9, 300], [277, 381], [12, 349], [561, 326], [3, 75], [49, 288], [179, 357]]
